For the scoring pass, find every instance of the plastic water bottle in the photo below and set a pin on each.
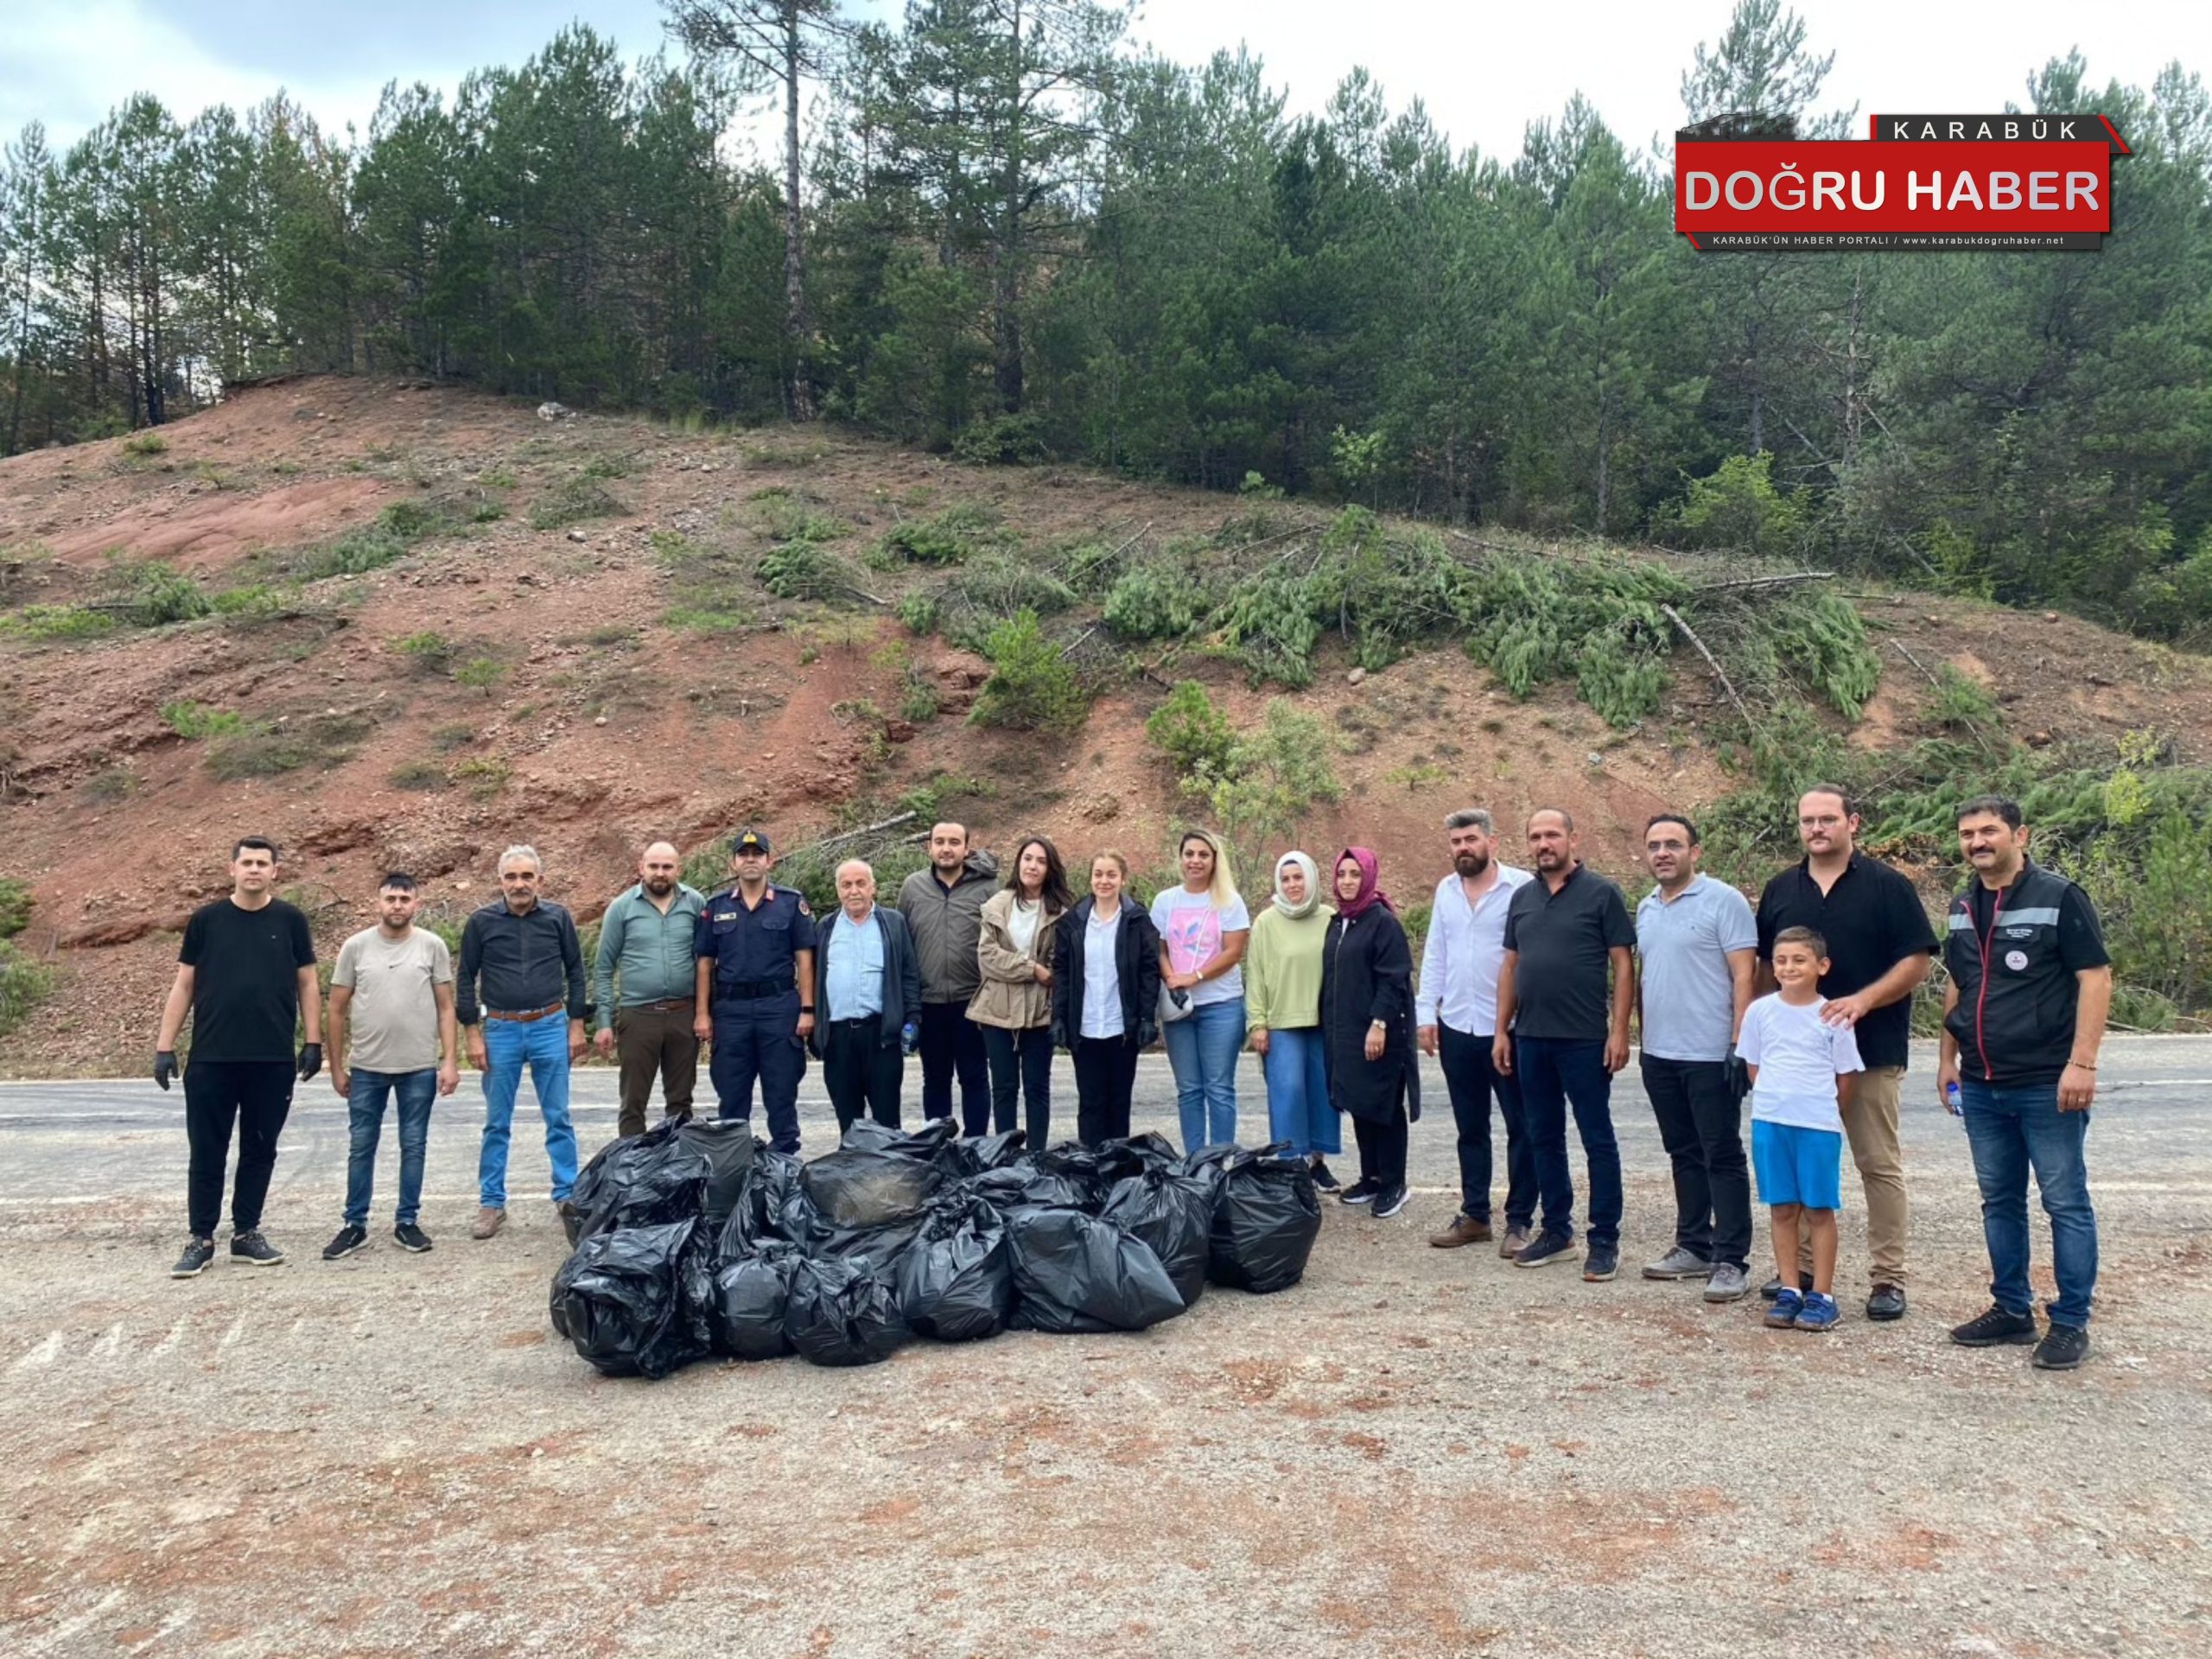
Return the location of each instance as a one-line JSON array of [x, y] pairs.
[[910, 1038], [1951, 1099]]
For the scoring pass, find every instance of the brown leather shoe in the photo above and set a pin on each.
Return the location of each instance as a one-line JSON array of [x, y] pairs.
[[488, 1221], [1463, 1230], [1511, 1245]]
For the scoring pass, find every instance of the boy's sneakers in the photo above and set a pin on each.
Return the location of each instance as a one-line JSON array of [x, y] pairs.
[[1995, 1327], [1390, 1200], [1546, 1249], [2065, 1347], [252, 1247], [1819, 1313], [411, 1237], [1362, 1191], [198, 1253], [1772, 1289], [1324, 1177], [350, 1238], [1600, 1264], [1788, 1304]]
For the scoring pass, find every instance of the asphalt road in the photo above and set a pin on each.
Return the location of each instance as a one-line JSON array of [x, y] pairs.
[[109, 1142]]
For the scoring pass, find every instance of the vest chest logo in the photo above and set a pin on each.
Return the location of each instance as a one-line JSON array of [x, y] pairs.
[[2016, 960], [2016, 933]]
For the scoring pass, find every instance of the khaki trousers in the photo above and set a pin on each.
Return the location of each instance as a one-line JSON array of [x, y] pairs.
[[1870, 1120], [652, 1042]]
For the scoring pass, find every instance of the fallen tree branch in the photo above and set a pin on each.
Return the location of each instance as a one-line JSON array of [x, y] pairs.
[[1764, 581], [862, 833], [1711, 662], [1906, 652]]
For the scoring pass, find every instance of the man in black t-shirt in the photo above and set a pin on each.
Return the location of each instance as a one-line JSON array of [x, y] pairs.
[[246, 975], [1880, 944]]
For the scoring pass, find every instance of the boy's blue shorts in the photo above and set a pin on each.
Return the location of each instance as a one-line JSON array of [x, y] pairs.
[[1797, 1165]]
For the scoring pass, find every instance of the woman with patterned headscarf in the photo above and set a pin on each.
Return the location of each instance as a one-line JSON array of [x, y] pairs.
[[1367, 1025], [1282, 1006]]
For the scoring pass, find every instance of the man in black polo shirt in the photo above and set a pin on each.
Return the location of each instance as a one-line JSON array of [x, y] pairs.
[[245, 973], [2023, 1016], [1562, 1033], [1879, 944]]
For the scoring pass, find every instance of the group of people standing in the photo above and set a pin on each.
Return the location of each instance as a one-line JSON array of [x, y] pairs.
[[1531, 983]]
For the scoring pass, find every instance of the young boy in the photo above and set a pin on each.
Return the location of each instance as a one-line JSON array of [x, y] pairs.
[[1801, 1069]]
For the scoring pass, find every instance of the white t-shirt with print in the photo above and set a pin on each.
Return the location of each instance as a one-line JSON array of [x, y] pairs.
[[1799, 1057], [1193, 925]]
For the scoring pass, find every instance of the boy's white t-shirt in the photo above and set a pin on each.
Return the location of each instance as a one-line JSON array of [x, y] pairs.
[[1192, 926], [1799, 1057]]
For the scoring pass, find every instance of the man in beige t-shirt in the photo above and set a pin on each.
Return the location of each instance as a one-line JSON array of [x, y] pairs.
[[392, 1031]]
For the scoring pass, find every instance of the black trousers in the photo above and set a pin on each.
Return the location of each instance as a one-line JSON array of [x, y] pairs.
[[859, 1068], [1701, 1125], [1472, 1079], [1382, 1148], [1021, 1066], [1105, 1077], [952, 1044], [256, 1095]]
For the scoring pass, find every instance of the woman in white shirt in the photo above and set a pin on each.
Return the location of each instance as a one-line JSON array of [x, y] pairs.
[[1013, 1005], [1203, 928], [1105, 997]]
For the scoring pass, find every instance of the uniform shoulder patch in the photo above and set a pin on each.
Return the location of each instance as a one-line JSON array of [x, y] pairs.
[[804, 909]]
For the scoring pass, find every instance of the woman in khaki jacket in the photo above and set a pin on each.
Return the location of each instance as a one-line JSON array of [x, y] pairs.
[[1014, 1003]]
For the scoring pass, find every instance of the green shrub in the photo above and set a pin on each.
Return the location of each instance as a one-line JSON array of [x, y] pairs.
[[59, 622], [484, 775], [1195, 736], [15, 906], [256, 603], [787, 519], [802, 570], [195, 720], [572, 501], [446, 739], [1031, 687], [1154, 601], [430, 652], [1738, 507], [1001, 440], [917, 611], [480, 673], [156, 594], [23, 985], [419, 774], [258, 751], [383, 541], [146, 443], [952, 537], [607, 466], [919, 703]]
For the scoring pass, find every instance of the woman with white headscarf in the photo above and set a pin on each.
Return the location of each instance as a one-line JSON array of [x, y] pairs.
[[1282, 1001]]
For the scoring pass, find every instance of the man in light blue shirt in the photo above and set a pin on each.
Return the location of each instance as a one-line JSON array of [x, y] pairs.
[[1456, 1012], [1697, 949], [868, 989], [643, 984]]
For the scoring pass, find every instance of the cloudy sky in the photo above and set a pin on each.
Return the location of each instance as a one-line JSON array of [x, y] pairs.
[[1484, 72]]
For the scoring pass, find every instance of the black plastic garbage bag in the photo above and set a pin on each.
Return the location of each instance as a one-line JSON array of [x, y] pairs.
[[1074, 1272], [982, 1152], [645, 1180], [750, 1296], [757, 1217], [1119, 1160], [880, 1174], [634, 1301], [1021, 1185], [1265, 1217], [842, 1312], [955, 1280], [728, 1145], [1090, 1171], [1173, 1213]]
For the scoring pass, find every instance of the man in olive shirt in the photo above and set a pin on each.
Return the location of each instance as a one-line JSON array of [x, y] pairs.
[[1562, 1033], [1880, 944], [521, 969], [645, 985]]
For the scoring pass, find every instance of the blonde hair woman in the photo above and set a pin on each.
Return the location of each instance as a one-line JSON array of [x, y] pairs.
[[1203, 928]]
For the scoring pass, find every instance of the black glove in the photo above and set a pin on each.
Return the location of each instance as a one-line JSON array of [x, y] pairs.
[[310, 1060], [165, 1066], [1739, 1078]]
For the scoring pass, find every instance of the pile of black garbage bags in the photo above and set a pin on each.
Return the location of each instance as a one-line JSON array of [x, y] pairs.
[[695, 1239]]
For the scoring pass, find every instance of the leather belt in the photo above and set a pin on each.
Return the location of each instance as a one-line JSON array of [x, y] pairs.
[[748, 990], [527, 1015], [668, 1005]]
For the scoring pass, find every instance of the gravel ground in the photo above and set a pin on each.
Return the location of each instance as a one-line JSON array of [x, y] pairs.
[[1419, 1448]]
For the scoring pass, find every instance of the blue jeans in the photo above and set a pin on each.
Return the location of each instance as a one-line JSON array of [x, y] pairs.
[[2010, 1131], [1202, 1052], [543, 1046], [1297, 1070], [1553, 1073], [364, 1103]]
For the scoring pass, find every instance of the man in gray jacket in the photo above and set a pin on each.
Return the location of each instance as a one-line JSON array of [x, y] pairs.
[[943, 907]]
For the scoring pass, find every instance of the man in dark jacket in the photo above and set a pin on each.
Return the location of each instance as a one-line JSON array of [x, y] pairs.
[[2024, 1015], [943, 907], [867, 986]]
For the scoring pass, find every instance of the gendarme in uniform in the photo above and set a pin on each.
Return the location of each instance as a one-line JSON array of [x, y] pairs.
[[752, 953]]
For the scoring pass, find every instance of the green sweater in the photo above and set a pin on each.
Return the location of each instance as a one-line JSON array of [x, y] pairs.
[[1282, 970]]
